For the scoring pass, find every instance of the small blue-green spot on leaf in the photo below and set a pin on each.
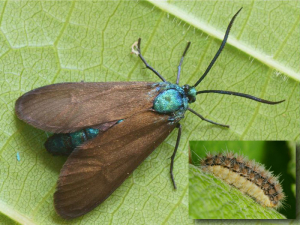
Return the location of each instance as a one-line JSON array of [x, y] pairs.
[[18, 156]]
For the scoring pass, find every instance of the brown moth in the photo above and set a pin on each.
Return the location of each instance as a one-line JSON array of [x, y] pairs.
[[129, 120]]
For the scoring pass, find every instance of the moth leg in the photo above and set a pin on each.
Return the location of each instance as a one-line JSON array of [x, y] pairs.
[[181, 60], [174, 153], [197, 114], [144, 61]]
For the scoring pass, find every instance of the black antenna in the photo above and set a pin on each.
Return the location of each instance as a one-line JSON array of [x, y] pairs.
[[145, 62], [240, 95], [220, 49]]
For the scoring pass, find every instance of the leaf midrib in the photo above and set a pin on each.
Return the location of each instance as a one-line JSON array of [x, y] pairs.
[[212, 31]]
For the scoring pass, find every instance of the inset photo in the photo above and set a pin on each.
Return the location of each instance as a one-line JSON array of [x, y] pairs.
[[242, 180]]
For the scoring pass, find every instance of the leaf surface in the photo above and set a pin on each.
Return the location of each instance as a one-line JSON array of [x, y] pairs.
[[45, 42]]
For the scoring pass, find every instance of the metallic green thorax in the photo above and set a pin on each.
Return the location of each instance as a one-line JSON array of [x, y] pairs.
[[64, 144], [170, 101], [173, 99]]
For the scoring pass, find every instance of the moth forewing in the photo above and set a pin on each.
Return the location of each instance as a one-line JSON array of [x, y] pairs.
[[94, 170], [69, 107]]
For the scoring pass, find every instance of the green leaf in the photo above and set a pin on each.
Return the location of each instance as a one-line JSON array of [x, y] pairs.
[[45, 42]]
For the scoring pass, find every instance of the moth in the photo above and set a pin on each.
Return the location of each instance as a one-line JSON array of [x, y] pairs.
[[109, 128]]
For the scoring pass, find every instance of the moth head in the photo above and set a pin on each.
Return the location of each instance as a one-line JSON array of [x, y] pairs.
[[190, 93]]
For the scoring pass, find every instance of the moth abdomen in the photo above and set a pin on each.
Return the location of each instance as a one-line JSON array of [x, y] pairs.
[[64, 144]]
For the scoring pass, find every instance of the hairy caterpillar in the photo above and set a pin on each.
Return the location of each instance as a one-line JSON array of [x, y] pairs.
[[248, 176]]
